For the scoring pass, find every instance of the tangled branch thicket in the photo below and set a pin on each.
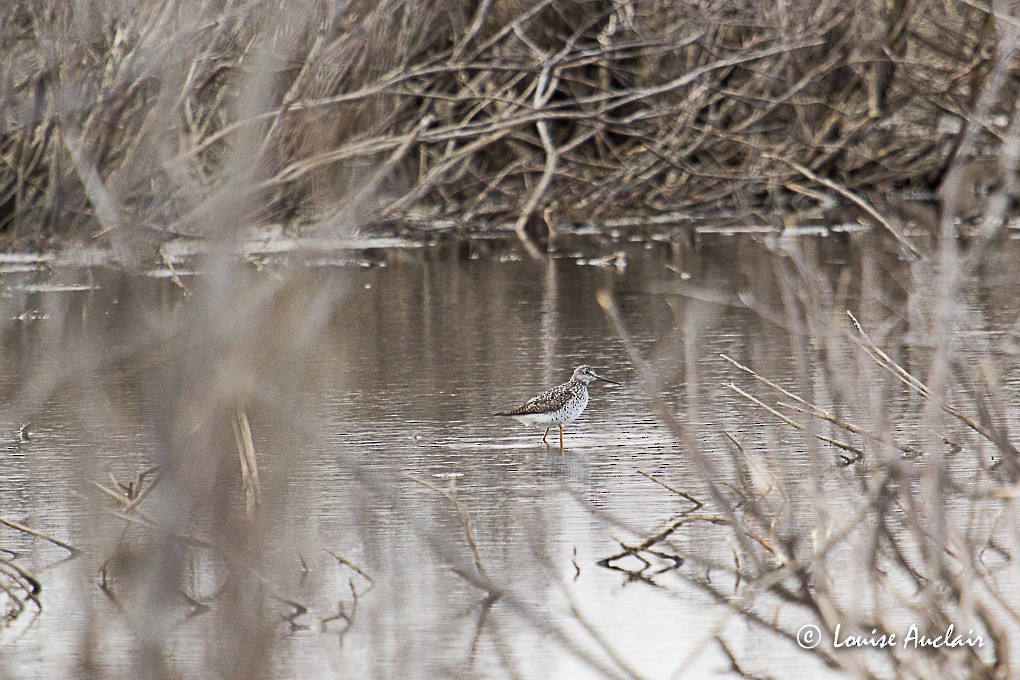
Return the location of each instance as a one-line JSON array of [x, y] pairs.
[[176, 116]]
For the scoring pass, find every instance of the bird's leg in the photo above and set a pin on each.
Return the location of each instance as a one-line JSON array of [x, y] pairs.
[[561, 437], [545, 435]]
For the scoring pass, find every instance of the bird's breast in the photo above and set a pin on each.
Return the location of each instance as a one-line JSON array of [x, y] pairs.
[[574, 406]]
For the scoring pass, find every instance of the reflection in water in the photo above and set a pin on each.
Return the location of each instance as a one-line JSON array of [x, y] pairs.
[[550, 329], [404, 531]]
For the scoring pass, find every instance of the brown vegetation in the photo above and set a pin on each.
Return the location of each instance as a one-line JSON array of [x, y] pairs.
[[187, 117]]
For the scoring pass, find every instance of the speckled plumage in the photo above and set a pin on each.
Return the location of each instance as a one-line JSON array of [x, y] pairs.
[[552, 402], [559, 406]]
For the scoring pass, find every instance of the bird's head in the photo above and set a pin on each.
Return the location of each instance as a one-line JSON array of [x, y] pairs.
[[586, 374]]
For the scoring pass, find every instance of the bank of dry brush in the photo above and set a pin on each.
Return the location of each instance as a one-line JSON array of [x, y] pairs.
[[134, 121]]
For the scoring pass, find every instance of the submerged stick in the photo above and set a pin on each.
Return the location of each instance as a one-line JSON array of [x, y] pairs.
[[450, 494], [38, 534], [343, 560], [697, 504]]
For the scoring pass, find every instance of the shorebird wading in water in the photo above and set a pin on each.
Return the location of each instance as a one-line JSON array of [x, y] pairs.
[[559, 406]]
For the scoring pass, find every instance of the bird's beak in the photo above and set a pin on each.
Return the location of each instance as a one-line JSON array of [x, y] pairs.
[[611, 382]]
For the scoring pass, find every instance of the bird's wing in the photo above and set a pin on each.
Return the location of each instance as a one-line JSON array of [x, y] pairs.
[[552, 400]]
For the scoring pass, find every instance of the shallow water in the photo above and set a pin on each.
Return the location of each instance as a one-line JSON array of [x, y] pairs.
[[394, 384]]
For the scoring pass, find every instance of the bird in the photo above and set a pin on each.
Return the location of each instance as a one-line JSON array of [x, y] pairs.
[[559, 406]]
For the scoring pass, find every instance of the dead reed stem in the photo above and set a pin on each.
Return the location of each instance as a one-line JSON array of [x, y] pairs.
[[38, 534], [450, 494], [883, 360], [249, 466]]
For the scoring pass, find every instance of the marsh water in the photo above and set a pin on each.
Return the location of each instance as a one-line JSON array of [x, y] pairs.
[[382, 418]]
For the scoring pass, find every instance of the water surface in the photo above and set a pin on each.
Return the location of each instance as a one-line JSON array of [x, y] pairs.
[[368, 378]]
